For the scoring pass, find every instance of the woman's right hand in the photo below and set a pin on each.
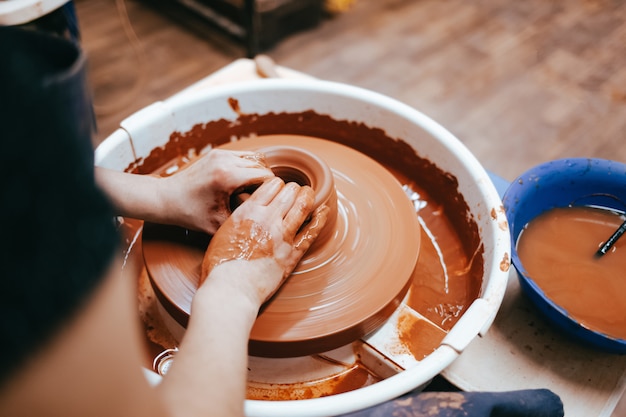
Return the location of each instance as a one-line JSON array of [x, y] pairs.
[[263, 240]]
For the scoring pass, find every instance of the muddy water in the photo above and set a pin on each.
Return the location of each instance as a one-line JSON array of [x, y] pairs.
[[557, 250]]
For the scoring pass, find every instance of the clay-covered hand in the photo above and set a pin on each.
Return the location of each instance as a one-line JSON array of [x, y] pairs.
[[263, 240], [201, 191]]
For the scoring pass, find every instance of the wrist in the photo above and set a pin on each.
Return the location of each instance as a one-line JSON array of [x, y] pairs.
[[222, 298], [175, 205], [253, 280], [167, 201]]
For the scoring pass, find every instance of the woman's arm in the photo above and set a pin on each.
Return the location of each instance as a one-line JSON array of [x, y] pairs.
[[93, 366], [197, 197], [248, 259], [136, 196]]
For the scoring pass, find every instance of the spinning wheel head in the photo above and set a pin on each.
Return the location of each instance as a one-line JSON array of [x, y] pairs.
[[349, 282]]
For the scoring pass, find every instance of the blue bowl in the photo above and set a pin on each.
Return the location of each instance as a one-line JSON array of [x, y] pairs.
[[563, 183]]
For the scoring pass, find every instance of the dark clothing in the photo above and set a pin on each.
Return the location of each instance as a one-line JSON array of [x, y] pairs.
[[57, 233], [523, 403]]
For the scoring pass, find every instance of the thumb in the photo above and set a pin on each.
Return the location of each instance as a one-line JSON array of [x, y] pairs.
[[307, 235]]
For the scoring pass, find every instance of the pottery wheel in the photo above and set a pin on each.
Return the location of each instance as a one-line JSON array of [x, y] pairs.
[[342, 289]]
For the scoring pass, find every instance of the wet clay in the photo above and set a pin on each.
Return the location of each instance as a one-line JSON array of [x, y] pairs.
[[417, 336], [441, 208], [557, 250], [253, 242], [342, 289], [442, 283], [352, 378]]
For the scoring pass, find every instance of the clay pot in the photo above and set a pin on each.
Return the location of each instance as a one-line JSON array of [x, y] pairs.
[[298, 165]]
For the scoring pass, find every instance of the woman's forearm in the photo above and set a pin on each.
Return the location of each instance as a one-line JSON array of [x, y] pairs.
[[209, 373], [196, 197], [136, 196]]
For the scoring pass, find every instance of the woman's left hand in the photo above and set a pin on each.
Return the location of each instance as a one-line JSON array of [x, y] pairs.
[[200, 193]]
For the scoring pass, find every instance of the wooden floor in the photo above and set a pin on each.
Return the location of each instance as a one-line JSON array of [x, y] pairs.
[[519, 82]]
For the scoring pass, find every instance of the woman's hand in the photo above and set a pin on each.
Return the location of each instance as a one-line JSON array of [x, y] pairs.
[[248, 258], [196, 197], [263, 240], [200, 193]]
